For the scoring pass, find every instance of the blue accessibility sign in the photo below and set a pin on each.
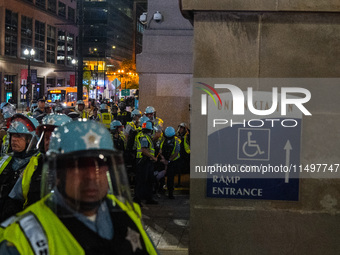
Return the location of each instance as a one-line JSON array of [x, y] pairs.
[[253, 144], [247, 162]]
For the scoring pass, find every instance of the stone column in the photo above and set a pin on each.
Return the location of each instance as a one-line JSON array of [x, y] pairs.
[[165, 64], [270, 39]]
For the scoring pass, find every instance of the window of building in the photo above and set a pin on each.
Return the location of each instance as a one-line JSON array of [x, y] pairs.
[[71, 14], [52, 5], [40, 3], [39, 41], [50, 82], [26, 33], [60, 82], [95, 14], [62, 9], [140, 27], [70, 48], [11, 33], [51, 34], [61, 47]]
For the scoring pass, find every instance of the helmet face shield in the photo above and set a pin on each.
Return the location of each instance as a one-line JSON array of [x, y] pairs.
[[83, 180], [20, 124]]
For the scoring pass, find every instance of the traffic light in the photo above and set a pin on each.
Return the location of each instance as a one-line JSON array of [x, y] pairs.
[[97, 87]]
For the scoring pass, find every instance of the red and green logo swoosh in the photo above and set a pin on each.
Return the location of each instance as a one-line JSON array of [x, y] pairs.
[[209, 93]]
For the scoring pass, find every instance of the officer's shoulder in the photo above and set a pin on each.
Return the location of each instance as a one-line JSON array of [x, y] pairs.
[[14, 219]]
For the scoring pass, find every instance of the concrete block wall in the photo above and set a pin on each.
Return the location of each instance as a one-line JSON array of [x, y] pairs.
[[165, 64], [270, 39]]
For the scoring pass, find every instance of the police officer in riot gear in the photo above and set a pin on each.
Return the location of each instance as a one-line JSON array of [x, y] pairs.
[[21, 161], [170, 149], [150, 112], [86, 198], [145, 159], [123, 116]]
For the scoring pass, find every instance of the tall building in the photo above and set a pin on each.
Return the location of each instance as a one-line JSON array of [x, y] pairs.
[[140, 7], [49, 28], [107, 39]]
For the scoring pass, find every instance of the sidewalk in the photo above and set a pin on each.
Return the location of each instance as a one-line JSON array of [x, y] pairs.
[[168, 222]]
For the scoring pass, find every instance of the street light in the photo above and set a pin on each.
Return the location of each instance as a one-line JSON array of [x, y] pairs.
[[74, 63], [29, 55]]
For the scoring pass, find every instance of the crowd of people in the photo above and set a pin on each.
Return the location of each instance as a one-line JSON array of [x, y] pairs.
[[76, 168]]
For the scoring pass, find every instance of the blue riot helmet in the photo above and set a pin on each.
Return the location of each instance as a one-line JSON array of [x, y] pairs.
[[58, 109], [55, 120], [147, 126], [150, 112], [136, 112], [24, 125], [169, 132], [8, 110], [83, 168], [104, 108], [115, 124], [80, 102], [48, 124], [74, 115], [149, 109], [143, 119]]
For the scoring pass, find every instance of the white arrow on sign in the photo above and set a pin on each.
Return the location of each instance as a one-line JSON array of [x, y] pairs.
[[287, 148]]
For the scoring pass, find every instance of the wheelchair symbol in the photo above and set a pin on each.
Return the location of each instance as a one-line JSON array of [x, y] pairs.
[[250, 148]]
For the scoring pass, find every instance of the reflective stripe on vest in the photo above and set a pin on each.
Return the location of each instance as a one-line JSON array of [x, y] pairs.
[[122, 114], [4, 162], [186, 145], [27, 175], [123, 137], [58, 243], [5, 144], [35, 234], [84, 115], [139, 146], [158, 122], [132, 124], [177, 140], [60, 240], [106, 119]]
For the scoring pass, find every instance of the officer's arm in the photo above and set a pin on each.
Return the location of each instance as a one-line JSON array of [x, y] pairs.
[[145, 152], [7, 248], [173, 156], [177, 149]]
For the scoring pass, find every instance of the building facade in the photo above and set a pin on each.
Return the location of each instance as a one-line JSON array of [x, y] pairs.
[[48, 27], [107, 40], [165, 63]]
